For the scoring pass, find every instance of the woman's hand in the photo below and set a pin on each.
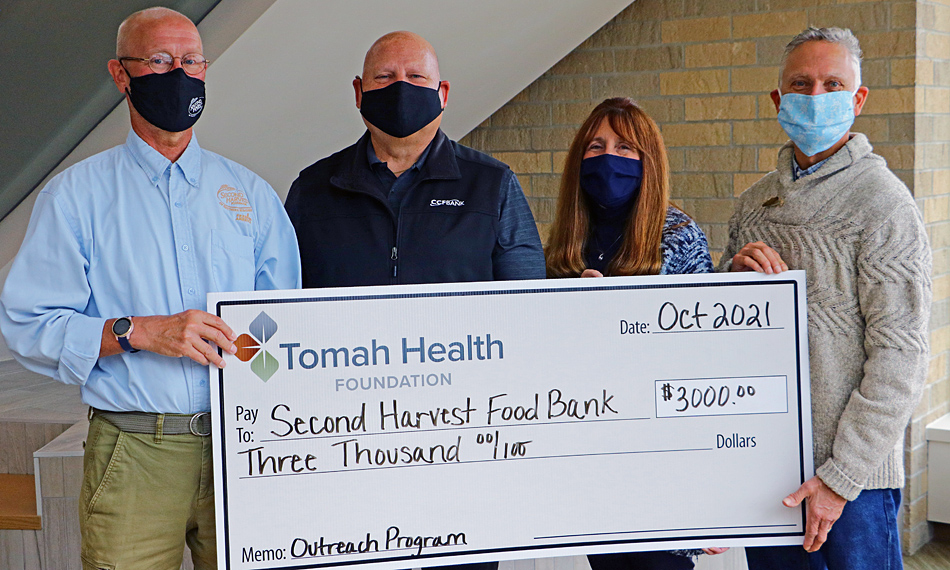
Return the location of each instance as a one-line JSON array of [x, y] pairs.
[[717, 550], [591, 273]]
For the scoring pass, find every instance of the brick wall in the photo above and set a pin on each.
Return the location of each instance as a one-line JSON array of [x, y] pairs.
[[703, 70], [931, 76]]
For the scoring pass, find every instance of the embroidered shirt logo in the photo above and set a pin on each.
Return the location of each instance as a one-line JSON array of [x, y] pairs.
[[251, 345], [234, 200], [197, 104], [447, 203]]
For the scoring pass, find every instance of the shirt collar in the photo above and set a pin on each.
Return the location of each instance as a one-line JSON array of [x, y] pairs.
[[374, 160], [154, 163], [798, 171]]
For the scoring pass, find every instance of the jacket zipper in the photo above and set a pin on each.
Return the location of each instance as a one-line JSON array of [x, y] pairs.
[[394, 254]]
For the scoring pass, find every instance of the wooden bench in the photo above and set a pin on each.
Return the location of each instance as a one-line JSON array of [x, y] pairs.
[[18, 503]]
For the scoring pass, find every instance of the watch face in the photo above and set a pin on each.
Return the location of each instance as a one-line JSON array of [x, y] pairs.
[[121, 326]]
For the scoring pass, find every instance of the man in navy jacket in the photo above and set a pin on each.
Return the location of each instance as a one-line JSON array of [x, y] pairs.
[[405, 204]]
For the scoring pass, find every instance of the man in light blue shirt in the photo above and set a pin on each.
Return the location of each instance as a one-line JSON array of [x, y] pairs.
[[109, 289]]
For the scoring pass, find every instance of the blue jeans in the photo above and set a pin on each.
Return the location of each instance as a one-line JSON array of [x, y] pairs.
[[864, 538]]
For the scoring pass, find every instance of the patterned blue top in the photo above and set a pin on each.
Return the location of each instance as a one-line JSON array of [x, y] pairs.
[[684, 246]]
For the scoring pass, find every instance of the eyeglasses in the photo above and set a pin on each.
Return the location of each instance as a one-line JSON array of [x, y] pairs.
[[192, 63]]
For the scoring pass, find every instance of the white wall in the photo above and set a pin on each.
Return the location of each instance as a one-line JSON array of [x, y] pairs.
[[281, 97], [279, 88]]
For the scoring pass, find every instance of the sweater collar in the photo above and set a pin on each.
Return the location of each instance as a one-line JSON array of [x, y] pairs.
[[854, 150], [800, 200]]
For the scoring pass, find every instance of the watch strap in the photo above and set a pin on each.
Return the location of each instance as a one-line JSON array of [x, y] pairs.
[[124, 343]]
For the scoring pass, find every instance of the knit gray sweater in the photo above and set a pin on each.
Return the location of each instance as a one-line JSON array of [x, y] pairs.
[[858, 234]]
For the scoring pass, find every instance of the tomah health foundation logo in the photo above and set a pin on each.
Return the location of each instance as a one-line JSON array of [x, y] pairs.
[[251, 345]]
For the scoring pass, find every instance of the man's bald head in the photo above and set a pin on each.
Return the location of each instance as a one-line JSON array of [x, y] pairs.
[[402, 57], [134, 26], [402, 46]]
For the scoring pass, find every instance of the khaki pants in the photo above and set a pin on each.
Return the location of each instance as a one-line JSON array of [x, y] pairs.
[[143, 497]]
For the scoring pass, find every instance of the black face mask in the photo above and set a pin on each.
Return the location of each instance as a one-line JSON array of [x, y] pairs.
[[401, 108], [171, 101]]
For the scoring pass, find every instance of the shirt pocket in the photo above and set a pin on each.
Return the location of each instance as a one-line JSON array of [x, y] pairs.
[[232, 261]]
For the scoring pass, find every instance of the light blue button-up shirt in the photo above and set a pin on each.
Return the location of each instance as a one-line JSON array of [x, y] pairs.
[[128, 232], [798, 171]]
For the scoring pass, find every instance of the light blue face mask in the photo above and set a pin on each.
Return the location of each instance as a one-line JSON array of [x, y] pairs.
[[816, 122]]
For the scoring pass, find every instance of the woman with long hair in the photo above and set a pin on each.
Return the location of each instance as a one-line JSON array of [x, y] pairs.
[[614, 217]]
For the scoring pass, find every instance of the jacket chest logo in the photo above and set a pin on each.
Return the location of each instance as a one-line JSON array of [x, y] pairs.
[[453, 202], [235, 201]]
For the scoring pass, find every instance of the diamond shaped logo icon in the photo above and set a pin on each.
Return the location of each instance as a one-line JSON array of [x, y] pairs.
[[263, 327], [264, 365], [251, 346], [247, 347]]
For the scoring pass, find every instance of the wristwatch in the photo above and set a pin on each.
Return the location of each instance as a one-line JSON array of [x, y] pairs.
[[122, 329]]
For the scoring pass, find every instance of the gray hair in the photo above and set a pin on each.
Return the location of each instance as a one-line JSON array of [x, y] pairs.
[[840, 36]]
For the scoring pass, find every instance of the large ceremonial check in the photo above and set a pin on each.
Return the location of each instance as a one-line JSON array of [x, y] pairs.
[[413, 426]]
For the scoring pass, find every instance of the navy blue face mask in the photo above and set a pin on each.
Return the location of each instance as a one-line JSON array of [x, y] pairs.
[[401, 109], [611, 180], [171, 101]]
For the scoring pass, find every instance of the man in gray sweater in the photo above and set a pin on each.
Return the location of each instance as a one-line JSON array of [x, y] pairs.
[[834, 209]]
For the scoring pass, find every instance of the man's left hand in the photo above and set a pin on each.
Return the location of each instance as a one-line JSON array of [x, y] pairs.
[[757, 256], [823, 509]]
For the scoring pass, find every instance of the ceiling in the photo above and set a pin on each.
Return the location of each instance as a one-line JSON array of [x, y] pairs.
[[279, 88], [54, 86]]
